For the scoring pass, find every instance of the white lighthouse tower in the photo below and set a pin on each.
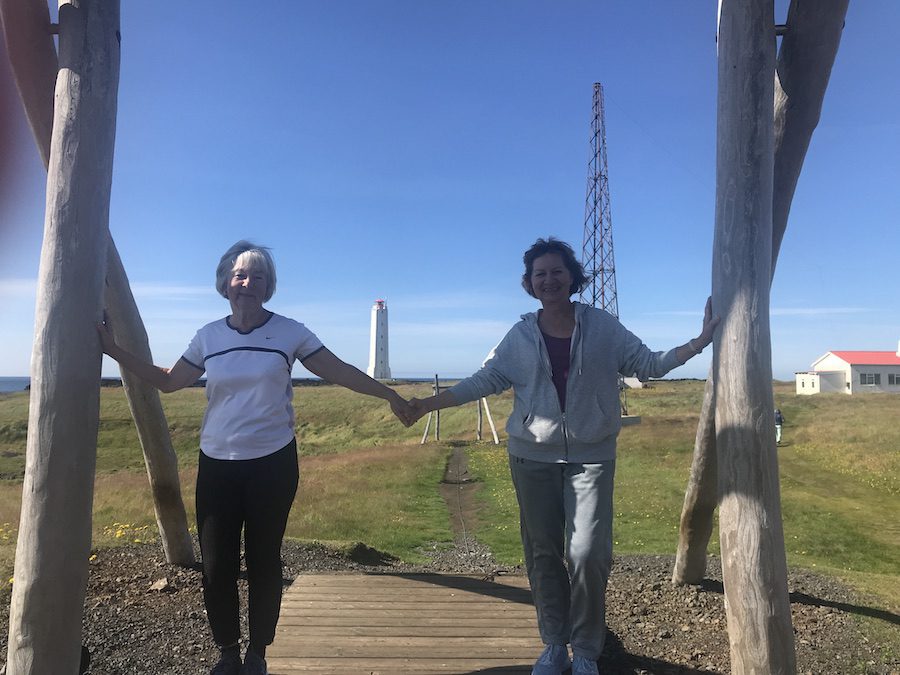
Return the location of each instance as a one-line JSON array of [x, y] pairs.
[[378, 343]]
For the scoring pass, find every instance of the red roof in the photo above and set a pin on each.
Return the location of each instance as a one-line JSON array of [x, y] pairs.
[[869, 358]]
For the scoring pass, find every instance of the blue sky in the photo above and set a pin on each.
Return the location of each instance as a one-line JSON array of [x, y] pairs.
[[412, 150]]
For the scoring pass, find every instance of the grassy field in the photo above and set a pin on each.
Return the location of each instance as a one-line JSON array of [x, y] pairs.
[[840, 482], [365, 478]]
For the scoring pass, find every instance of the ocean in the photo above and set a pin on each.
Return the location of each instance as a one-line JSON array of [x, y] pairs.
[[13, 384]]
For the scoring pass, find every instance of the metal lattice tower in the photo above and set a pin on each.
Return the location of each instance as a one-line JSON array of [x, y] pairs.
[[597, 247]]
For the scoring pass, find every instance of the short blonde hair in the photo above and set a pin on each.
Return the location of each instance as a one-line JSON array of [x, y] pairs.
[[249, 256]]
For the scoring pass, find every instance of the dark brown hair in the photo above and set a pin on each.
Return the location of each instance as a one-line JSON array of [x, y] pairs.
[[553, 245]]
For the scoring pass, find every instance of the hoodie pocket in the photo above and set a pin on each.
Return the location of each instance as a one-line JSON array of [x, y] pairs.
[[517, 425], [592, 424], [535, 428]]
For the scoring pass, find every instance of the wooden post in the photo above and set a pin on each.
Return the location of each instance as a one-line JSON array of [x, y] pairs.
[[700, 498], [437, 413], [805, 60], [491, 421], [55, 526], [32, 54], [427, 425], [803, 69], [478, 426], [146, 409], [754, 567]]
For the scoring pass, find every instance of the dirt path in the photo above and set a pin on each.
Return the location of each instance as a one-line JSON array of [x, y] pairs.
[[458, 490]]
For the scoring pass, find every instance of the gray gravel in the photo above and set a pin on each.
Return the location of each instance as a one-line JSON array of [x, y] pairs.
[[145, 616]]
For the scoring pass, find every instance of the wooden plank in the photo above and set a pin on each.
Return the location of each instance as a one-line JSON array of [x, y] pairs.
[[512, 596], [409, 626], [356, 580], [448, 594], [484, 629], [343, 623], [422, 588], [464, 666], [397, 608], [407, 647]]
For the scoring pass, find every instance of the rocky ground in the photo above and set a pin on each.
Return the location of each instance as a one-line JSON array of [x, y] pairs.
[[145, 616]]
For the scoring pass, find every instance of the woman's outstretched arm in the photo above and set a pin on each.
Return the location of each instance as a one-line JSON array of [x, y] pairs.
[[329, 367], [167, 380]]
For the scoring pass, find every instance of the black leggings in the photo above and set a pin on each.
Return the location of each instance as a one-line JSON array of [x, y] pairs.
[[256, 495]]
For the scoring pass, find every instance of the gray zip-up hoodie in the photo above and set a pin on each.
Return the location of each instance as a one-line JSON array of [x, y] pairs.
[[586, 432]]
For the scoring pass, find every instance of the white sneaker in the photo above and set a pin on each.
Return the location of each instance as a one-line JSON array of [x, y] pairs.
[[554, 660], [584, 666]]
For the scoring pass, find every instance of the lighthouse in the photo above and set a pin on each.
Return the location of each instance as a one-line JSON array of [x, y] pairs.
[[378, 343]]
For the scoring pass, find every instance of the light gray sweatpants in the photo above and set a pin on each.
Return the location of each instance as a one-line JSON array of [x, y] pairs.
[[566, 520]]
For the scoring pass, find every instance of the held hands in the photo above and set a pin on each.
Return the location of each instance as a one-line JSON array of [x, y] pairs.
[[419, 407], [409, 412], [401, 409]]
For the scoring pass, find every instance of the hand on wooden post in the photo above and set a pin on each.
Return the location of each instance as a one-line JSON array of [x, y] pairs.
[[107, 339], [710, 323]]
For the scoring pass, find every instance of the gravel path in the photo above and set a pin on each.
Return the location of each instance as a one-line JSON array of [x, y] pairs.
[[145, 616]]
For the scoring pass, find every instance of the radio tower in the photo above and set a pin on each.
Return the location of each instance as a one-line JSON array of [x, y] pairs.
[[597, 247]]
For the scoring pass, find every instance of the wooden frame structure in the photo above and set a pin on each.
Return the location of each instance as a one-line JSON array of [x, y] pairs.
[[735, 462], [70, 100]]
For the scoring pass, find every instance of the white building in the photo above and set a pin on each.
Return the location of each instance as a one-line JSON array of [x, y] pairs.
[[378, 343], [852, 373]]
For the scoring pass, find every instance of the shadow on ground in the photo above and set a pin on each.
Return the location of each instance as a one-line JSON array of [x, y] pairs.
[[798, 598]]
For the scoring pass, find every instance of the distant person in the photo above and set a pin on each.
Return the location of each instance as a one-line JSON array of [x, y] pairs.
[[563, 362], [779, 422], [247, 473]]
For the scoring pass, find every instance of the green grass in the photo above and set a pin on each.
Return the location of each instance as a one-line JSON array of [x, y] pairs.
[[386, 498], [839, 481], [498, 523], [365, 478]]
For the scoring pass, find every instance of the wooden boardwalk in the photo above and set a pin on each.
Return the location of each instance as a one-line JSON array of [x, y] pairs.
[[379, 624]]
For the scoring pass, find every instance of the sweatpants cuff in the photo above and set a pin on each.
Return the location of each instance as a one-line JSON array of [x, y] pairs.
[[588, 654]]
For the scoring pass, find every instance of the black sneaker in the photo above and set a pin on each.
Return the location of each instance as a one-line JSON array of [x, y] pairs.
[[229, 664], [254, 664]]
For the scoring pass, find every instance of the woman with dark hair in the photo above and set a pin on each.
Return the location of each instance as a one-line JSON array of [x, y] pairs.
[[247, 472], [563, 363]]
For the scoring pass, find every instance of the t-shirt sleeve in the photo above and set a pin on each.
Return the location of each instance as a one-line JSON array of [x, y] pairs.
[[194, 352], [307, 343]]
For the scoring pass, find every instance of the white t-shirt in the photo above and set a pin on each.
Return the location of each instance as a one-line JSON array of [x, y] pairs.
[[248, 385]]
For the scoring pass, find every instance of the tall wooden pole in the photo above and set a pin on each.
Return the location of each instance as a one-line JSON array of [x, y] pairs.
[[754, 567], [803, 68], [805, 60], [146, 409], [700, 498], [32, 56], [55, 527], [32, 53]]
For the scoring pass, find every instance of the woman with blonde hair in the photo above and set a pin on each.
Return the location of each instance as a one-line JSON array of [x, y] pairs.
[[247, 471]]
